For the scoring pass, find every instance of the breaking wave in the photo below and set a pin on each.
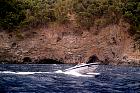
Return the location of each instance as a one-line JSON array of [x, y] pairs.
[[59, 71], [74, 73], [22, 73]]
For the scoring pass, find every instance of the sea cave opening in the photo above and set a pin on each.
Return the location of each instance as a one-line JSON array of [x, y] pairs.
[[50, 61]]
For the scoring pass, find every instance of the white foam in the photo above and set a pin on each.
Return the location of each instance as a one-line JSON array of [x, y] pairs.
[[59, 71], [7, 72], [93, 73], [84, 70], [74, 73], [21, 73]]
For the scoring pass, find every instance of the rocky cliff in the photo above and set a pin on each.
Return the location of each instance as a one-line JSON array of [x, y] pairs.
[[70, 44]]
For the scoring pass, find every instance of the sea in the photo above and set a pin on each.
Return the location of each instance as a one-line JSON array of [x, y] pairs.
[[50, 78]]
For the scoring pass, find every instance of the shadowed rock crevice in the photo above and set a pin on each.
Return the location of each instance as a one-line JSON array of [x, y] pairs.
[[49, 61], [27, 60]]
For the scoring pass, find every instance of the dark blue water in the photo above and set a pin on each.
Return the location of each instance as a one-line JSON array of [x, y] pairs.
[[112, 79]]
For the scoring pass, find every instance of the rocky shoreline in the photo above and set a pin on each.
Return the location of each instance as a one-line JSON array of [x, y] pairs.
[[68, 44], [28, 60]]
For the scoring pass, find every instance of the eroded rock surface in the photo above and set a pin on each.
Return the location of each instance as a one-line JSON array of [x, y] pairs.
[[70, 44]]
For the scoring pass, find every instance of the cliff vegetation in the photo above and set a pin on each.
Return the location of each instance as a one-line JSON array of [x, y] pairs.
[[16, 14]]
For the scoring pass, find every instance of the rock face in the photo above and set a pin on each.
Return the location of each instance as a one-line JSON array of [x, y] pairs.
[[70, 44]]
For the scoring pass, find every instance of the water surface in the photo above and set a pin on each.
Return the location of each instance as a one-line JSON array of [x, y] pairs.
[[42, 78]]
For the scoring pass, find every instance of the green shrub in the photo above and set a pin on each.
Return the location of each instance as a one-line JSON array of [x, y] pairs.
[[132, 15], [61, 10], [107, 9], [39, 12], [20, 13], [11, 13]]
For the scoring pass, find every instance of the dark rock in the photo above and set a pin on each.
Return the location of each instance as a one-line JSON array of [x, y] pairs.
[[49, 61], [58, 39], [10, 36], [27, 60], [114, 41], [14, 44], [106, 61], [93, 59], [9, 62]]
